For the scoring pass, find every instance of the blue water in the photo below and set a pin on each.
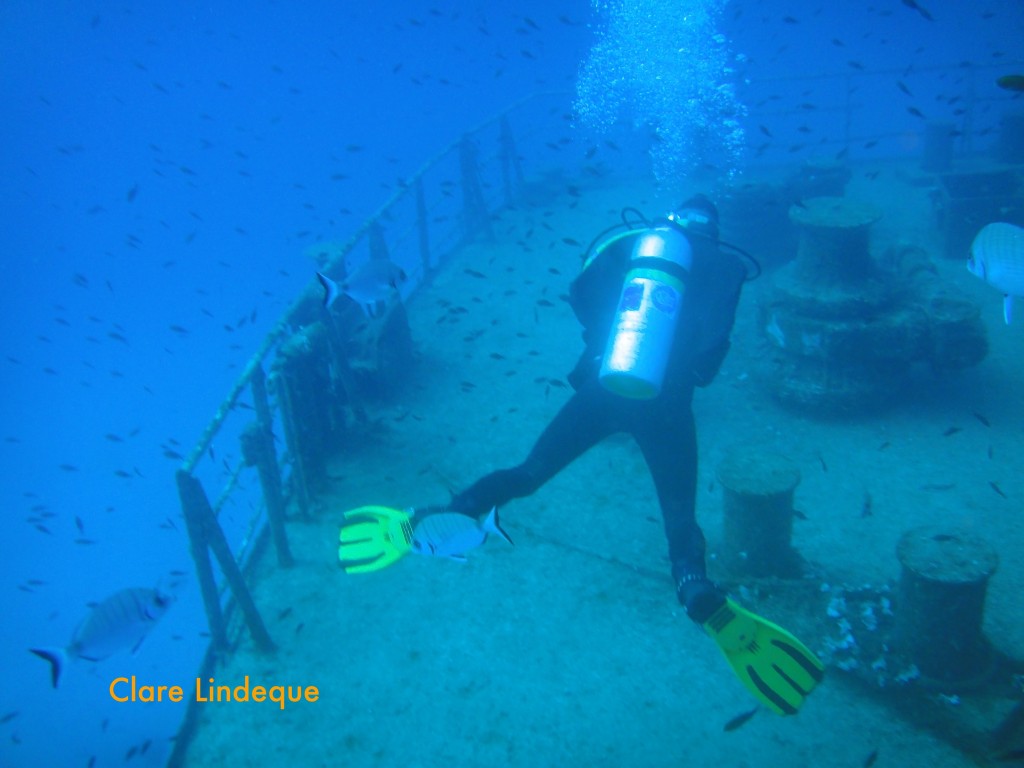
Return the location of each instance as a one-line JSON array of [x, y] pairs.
[[168, 164]]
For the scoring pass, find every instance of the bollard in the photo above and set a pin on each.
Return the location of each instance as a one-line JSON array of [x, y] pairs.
[[941, 602], [833, 242], [1009, 148], [758, 513], [939, 138]]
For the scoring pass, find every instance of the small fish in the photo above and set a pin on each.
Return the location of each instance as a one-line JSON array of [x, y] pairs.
[[452, 534], [798, 514], [868, 506], [870, 759], [740, 720], [952, 431], [981, 418], [821, 460], [997, 257], [923, 11], [375, 281], [1011, 82], [938, 486], [992, 484], [121, 621]]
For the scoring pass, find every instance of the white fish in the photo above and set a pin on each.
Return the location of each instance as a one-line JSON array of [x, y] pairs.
[[997, 257], [774, 330], [121, 621], [452, 534], [373, 282]]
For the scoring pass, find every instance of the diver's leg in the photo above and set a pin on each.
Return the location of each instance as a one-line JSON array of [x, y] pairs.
[[586, 419], [668, 441], [669, 445]]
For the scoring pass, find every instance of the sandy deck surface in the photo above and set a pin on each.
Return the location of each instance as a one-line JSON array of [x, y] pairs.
[[569, 649]]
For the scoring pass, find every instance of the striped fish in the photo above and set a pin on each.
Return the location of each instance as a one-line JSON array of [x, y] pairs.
[[997, 257], [452, 534], [375, 281], [121, 621]]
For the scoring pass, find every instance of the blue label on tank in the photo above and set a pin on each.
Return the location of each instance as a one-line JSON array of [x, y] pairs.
[[664, 298], [632, 295]]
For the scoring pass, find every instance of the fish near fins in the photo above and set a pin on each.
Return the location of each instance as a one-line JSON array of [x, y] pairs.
[[997, 257], [1011, 82], [491, 525], [331, 289], [57, 658]]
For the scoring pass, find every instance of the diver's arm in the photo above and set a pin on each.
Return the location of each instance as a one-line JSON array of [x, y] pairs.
[[718, 316]]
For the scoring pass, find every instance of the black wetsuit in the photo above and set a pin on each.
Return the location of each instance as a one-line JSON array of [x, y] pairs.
[[663, 427]]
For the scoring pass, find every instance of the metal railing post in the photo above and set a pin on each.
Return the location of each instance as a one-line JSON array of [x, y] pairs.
[[204, 531], [258, 450], [511, 166], [423, 226], [196, 525], [474, 206]]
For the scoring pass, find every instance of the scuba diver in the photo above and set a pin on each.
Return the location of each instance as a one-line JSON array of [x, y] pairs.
[[657, 303]]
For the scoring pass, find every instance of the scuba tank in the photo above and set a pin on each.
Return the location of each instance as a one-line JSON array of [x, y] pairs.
[[644, 325]]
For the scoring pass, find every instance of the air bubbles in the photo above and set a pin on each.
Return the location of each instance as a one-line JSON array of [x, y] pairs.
[[661, 66]]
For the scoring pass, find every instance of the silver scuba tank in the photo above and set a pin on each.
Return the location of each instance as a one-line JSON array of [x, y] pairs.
[[644, 326]]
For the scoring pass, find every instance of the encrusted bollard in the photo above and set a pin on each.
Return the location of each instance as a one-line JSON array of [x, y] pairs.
[[758, 505], [939, 139], [833, 248], [940, 605]]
